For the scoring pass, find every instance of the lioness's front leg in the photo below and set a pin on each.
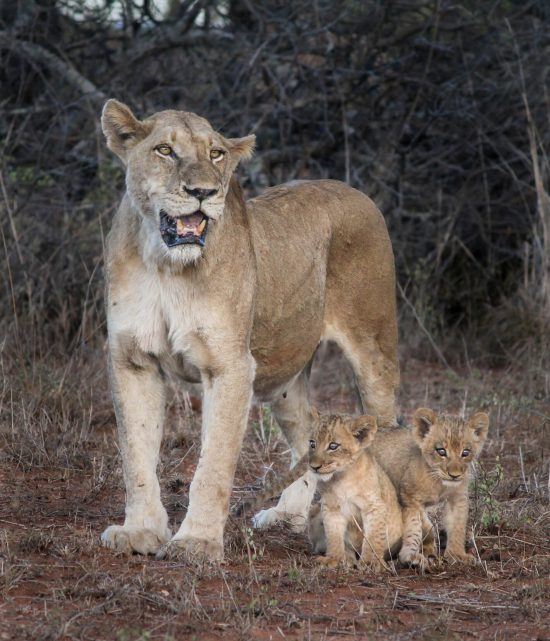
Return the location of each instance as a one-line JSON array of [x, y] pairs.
[[227, 400], [139, 397]]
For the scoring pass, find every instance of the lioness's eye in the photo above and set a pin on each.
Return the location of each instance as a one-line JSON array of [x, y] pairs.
[[217, 154], [312, 445], [164, 150], [441, 451], [465, 453], [333, 446]]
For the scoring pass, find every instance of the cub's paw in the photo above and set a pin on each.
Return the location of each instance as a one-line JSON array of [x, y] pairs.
[[128, 539], [460, 557], [430, 550], [192, 549], [373, 566], [414, 560], [331, 561]]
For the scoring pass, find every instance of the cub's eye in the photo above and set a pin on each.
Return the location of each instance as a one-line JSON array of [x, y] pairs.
[[333, 446], [164, 150], [465, 453], [217, 154], [312, 444], [441, 451]]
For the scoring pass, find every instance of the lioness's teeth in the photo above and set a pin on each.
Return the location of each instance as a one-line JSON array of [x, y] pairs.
[[201, 227], [180, 226]]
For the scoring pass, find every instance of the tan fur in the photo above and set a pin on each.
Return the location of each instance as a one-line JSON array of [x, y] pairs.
[[424, 479], [359, 507], [273, 489], [301, 263]]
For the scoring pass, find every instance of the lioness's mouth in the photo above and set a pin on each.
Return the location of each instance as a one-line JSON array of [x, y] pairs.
[[183, 230]]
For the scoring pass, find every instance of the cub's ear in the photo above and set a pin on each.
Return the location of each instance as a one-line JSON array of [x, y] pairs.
[[364, 428], [121, 128], [423, 419], [241, 148], [480, 424]]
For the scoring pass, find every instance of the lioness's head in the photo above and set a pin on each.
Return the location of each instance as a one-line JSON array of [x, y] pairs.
[[449, 443], [178, 171], [337, 442]]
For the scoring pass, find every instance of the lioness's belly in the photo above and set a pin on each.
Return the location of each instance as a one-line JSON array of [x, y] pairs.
[[291, 236]]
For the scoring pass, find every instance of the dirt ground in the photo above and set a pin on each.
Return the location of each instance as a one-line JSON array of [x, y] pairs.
[[56, 582]]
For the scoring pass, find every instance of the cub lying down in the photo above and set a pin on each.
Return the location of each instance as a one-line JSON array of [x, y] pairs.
[[429, 465], [360, 518]]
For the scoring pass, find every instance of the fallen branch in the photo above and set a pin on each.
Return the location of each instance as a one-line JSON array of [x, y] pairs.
[[42, 56]]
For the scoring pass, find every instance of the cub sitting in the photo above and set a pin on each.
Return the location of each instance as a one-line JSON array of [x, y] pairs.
[[359, 507], [430, 465], [360, 515]]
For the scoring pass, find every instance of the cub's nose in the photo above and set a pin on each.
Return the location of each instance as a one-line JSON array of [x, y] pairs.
[[316, 468], [200, 194], [455, 476]]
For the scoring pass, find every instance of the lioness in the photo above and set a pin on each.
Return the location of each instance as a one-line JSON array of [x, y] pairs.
[[430, 464], [205, 288]]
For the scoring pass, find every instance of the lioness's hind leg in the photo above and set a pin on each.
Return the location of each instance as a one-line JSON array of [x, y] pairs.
[[374, 363], [293, 413]]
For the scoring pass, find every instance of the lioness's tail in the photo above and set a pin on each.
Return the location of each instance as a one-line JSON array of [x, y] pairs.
[[257, 500]]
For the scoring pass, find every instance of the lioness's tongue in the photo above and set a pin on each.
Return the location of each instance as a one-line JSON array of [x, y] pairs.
[[193, 224]]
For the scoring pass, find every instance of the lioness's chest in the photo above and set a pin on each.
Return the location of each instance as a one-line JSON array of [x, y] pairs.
[[175, 323]]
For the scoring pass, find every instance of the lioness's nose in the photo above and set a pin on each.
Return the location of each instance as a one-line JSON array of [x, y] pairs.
[[200, 194]]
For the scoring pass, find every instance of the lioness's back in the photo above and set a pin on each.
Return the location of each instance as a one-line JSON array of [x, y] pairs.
[[313, 203]]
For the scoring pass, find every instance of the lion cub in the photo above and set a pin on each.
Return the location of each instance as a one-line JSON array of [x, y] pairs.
[[359, 507], [360, 514], [429, 465]]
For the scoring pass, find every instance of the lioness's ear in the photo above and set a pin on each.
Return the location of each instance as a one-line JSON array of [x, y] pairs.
[[364, 428], [241, 148], [121, 128], [480, 424], [423, 419]]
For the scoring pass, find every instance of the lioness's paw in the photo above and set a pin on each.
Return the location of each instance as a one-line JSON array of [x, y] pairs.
[[460, 557], [131, 539], [265, 518], [192, 549]]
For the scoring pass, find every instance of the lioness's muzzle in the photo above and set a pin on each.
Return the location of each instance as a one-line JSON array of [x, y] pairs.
[[183, 230]]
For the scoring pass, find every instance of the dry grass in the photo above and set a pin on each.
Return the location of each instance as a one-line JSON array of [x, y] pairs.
[[57, 583]]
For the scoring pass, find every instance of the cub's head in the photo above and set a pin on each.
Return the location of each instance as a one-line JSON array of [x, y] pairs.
[[449, 443], [337, 442], [178, 171]]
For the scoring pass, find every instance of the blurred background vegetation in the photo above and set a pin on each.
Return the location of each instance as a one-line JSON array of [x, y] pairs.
[[438, 109]]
